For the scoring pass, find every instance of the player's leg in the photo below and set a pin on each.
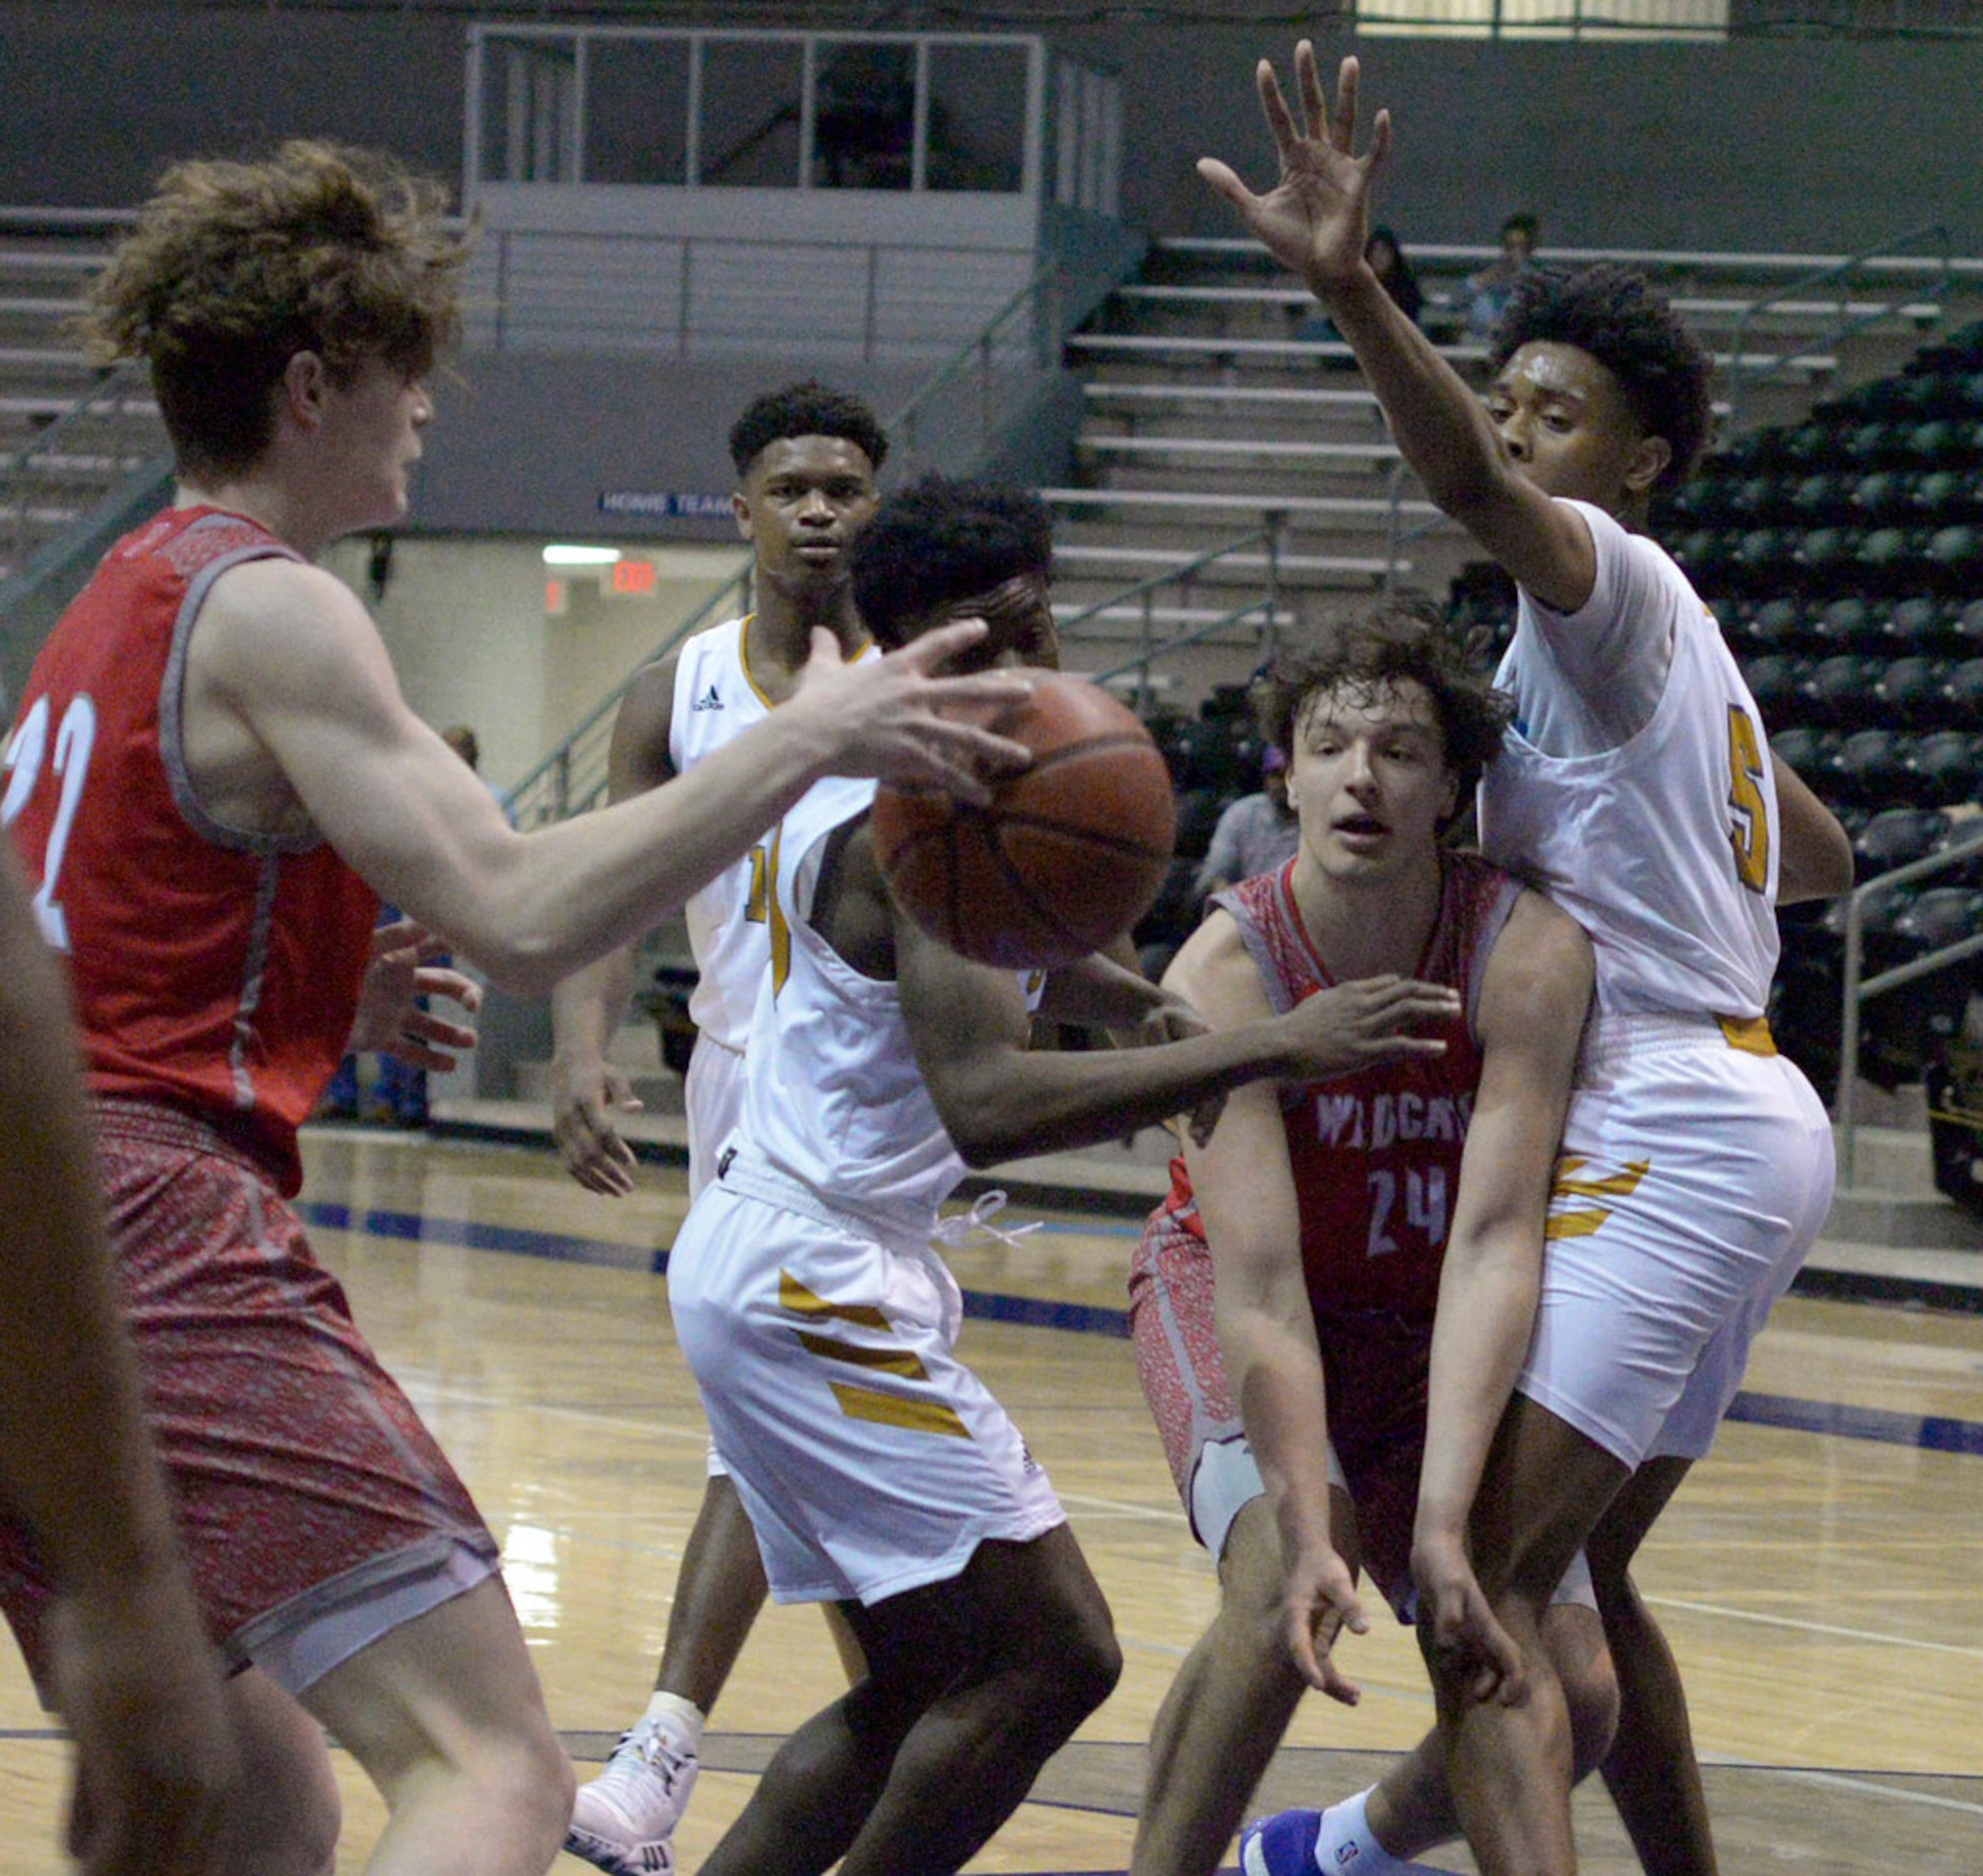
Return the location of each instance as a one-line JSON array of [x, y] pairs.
[[1511, 1767], [1226, 1711], [1410, 1811], [1651, 1772], [1231, 1699], [446, 1716], [972, 1685], [282, 1818]]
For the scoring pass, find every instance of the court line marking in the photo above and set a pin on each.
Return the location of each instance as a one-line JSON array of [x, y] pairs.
[[1871, 1785], [1924, 1431], [1813, 1629]]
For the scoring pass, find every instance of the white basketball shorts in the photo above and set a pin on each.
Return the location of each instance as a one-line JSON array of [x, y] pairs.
[[1695, 1175], [870, 1459]]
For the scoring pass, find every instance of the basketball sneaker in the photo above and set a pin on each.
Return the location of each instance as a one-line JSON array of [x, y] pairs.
[[1285, 1845], [624, 1820]]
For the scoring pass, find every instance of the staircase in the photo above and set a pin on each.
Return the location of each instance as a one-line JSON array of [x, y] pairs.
[[71, 434], [1230, 456]]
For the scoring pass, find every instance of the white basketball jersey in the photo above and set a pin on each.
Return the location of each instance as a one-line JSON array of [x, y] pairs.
[[1663, 849], [732, 931], [833, 1099]]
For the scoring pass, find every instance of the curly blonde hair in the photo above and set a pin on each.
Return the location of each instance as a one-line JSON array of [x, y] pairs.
[[235, 267]]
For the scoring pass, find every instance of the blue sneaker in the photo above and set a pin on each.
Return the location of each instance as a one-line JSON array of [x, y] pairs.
[[1281, 1845]]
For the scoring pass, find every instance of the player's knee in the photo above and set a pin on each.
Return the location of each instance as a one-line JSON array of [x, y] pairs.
[[1574, 1639]]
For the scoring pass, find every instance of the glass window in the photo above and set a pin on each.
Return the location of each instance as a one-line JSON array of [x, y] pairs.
[[751, 113], [530, 89], [863, 113], [636, 109], [977, 117]]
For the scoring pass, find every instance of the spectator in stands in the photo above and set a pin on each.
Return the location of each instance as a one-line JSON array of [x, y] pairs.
[[1255, 835], [1394, 270], [1487, 291], [1388, 264]]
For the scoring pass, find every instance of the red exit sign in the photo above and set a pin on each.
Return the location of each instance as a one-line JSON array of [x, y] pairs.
[[631, 576]]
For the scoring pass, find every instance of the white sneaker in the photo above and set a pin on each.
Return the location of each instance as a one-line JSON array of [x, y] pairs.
[[624, 1819]]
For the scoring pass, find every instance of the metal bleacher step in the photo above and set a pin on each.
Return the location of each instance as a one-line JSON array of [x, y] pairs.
[[1073, 557]]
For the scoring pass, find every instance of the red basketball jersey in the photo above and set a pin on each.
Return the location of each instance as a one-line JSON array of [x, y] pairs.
[[215, 969], [1375, 1155]]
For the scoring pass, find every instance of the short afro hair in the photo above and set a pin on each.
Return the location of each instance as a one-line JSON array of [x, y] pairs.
[[1371, 652], [1611, 313], [805, 410], [939, 541]]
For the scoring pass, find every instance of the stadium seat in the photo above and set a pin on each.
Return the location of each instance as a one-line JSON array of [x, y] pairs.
[[1915, 625], [1885, 495], [1940, 443], [1955, 554], [1776, 625], [1912, 692], [1825, 558], [1822, 500], [1846, 624], [1775, 682], [1947, 494], [1962, 693], [1888, 559], [1898, 837], [1804, 748], [1966, 625], [1837, 689], [1946, 768], [1869, 767]]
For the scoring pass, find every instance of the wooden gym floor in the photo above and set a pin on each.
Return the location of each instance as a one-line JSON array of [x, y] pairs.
[[1818, 1575]]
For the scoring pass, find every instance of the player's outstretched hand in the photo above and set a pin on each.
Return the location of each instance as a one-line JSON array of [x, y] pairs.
[[1320, 1599], [1469, 1649], [1314, 218], [898, 720], [137, 1682], [583, 1095], [1372, 1019], [389, 1018]]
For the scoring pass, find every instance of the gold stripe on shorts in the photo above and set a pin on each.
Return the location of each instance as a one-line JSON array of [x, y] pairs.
[[1750, 1034], [887, 1409]]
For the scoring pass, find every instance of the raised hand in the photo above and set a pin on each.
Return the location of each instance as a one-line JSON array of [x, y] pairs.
[[899, 720], [1371, 1019], [1314, 219]]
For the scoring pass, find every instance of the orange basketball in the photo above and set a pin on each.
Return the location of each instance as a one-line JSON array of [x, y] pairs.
[[1065, 856]]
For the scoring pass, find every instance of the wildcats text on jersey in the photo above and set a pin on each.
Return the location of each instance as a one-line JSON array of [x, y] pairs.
[[1371, 1123]]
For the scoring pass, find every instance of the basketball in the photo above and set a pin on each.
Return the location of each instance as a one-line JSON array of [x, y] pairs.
[[1067, 855]]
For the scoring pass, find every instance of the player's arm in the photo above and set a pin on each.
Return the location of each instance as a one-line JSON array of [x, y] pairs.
[[290, 655], [587, 1008], [1817, 851], [1246, 1196], [134, 1675], [1314, 220], [1531, 1010], [999, 1100]]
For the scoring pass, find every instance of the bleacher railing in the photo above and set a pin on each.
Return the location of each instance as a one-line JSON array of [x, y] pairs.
[[1143, 594], [1859, 990], [1750, 367]]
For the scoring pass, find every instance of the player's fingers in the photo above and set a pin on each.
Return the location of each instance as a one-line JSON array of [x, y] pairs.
[[1307, 80], [928, 651], [399, 934], [1342, 127], [1273, 107], [1378, 157], [1225, 182], [438, 980]]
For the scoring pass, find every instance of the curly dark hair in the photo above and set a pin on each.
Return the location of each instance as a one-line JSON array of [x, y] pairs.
[[1611, 313], [1365, 655], [235, 267], [809, 409], [940, 539]]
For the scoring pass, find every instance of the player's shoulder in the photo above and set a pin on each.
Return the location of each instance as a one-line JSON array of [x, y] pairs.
[[1213, 967], [1541, 956]]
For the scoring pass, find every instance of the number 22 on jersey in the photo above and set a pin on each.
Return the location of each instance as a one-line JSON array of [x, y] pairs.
[[68, 764]]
